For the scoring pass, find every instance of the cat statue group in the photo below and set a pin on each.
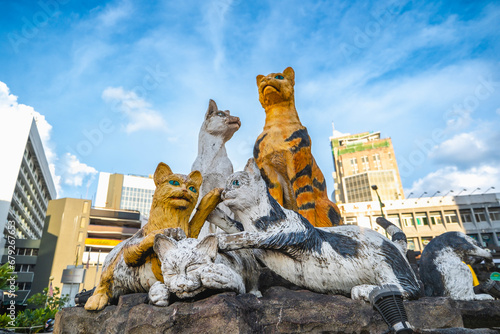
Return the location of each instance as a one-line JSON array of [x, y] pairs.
[[275, 212]]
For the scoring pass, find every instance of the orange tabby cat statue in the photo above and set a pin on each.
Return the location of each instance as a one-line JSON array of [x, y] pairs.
[[133, 266], [283, 154]]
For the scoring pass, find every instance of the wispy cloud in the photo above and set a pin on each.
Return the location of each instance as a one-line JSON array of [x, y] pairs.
[[137, 111], [74, 171]]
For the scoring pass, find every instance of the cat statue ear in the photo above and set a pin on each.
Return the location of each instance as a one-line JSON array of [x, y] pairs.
[[212, 107], [162, 245], [252, 169], [196, 177], [161, 173], [289, 73], [259, 79], [209, 245]]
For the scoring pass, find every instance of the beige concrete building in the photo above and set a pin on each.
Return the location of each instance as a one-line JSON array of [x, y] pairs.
[[77, 234], [425, 218], [363, 160]]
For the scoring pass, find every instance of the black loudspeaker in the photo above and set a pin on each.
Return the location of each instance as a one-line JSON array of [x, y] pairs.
[[388, 301]]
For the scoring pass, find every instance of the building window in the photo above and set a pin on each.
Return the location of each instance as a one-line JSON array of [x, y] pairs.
[[487, 239], [394, 219], [426, 240], [80, 236], [421, 218], [408, 219], [450, 217], [411, 243], [354, 165], [376, 161], [83, 222], [351, 221], [466, 216], [85, 206], [474, 236], [480, 215], [436, 218], [494, 214], [365, 163]]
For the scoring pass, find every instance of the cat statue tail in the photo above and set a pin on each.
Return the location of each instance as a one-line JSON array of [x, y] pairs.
[[396, 234]]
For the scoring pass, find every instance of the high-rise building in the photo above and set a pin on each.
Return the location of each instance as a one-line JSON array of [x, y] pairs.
[[77, 234], [361, 161], [25, 256], [26, 184], [128, 192]]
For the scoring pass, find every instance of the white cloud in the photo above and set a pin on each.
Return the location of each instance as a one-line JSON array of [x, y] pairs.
[[451, 178], [460, 149], [74, 171], [139, 114]]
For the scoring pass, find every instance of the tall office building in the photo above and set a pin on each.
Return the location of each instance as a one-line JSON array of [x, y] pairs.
[[77, 234], [128, 192], [26, 184], [361, 161]]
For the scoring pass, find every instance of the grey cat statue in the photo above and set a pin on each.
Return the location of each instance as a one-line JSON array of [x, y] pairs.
[[347, 260], [212, 160], [191, 266], [443, 268]]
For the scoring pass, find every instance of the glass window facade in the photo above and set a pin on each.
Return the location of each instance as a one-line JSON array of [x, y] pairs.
[[494, 214], [137, 199], [480, 215], [408, 219], [436, 218], [450, 217], [421, 218]]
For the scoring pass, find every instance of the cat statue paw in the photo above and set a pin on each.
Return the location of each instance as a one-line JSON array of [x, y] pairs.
[[220, 277], [158, 294]]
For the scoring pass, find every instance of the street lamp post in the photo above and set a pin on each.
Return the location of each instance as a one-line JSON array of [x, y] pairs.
[[474, 191], [374, 187], [490, 188]]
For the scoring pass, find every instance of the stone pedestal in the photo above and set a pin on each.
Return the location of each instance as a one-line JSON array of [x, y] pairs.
[[280, 310]]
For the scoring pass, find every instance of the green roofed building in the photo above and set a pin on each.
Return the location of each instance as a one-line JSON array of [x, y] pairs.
[[361, 161]]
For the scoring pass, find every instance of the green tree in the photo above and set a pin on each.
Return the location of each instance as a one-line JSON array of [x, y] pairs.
[[45, 308], [6, 273]]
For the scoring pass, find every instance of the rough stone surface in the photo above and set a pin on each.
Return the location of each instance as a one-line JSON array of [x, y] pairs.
[[280, 310]]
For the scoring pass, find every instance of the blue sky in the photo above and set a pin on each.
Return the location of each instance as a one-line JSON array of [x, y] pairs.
[[119, 86]]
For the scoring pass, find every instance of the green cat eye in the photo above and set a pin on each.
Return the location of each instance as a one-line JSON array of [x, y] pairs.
[[174, 183], [220, 113], [193, 189], [236, 183], [280, 77]]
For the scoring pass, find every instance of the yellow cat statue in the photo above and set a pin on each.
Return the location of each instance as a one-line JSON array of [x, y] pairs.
[[133, 266]]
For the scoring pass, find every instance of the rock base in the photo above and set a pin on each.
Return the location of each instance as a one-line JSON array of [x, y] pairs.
[[280, 310]]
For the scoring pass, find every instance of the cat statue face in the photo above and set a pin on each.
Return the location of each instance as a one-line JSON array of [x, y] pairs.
[[175, 190], [220, 123], [243, 193], [189, 267], [275, 88]]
